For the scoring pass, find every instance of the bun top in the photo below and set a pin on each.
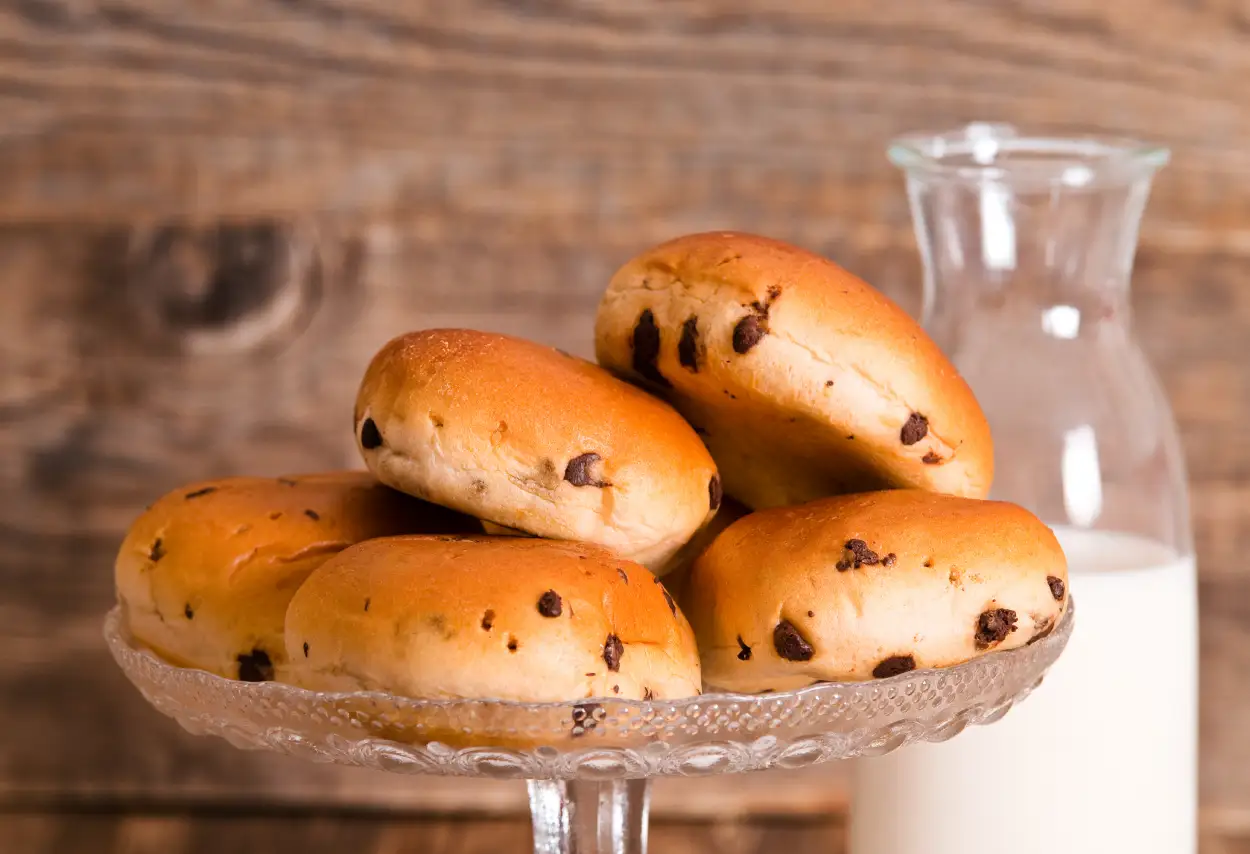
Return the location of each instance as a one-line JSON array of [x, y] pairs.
[[768, 345], [205, 573], [489, 618], [526, 437], [946, 530], [208, 526], [862, 584]]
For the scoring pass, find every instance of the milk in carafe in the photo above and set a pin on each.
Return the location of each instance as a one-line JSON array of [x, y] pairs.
[[1101, 758]]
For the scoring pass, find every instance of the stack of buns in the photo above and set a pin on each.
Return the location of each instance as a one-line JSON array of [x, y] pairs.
[[771, 478]]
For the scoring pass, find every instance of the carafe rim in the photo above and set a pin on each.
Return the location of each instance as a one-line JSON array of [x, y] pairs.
[[997, 152]]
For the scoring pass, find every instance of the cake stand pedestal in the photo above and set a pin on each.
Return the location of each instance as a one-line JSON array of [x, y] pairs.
[[588, 763]]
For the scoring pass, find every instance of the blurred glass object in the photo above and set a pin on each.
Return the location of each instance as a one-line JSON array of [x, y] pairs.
[[1028, 246]]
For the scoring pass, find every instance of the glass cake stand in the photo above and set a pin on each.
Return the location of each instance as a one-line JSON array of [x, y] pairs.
[[588, 763]]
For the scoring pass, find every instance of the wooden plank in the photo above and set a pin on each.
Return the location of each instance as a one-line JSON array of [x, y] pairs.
[[558, 119], [1224, 636], [259, 833], [105, 833]]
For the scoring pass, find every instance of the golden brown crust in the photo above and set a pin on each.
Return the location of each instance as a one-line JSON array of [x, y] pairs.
[[806, 380], [501, 618], [205, 574], [871, 585], [529, 438]]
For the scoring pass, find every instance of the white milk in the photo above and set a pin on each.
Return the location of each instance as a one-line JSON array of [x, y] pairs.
[[1101, 759]]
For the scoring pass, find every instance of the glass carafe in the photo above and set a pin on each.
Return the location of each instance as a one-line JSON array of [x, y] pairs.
[[1028, 244]]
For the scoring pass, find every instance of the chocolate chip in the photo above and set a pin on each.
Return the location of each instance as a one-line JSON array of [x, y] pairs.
[[577, 472], [479, 487], [915, 429], [647, 349], [688, 345], [993, 626], [200, 492], [367, 601], [647, 693], [187, 612], [275, 515], [584, 718], [744, 651], [286, 481], [612, 651], [862, 553], [370, 435], [305, 649], [512, 645], [313, 514], [1056, 586], [748, 332], [928, 563], [931, 459], [893, 666], [857, 554], [828, 383], [889, 560], [624, 576], [157, 551], [255, 666], [811, 613], [550, 604], [436, 420], [616, 689], [488, 620], [715, 493], [790, 644]]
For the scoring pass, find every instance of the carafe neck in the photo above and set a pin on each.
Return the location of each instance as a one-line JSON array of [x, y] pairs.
[[1043, 229]]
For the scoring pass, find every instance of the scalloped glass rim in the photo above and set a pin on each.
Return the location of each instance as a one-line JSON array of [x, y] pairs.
[[601, 738]]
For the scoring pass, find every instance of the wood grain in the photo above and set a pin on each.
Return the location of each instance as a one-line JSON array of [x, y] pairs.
[[243, 833], [106, 833], [556, 118], [212, 214]]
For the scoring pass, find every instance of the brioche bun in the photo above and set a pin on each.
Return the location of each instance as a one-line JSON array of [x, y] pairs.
[[498, 618], [804, 380], [528, 438], [205, 574], [868, 586]]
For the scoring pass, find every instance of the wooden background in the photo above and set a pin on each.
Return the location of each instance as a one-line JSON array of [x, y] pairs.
[[212, 213]]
